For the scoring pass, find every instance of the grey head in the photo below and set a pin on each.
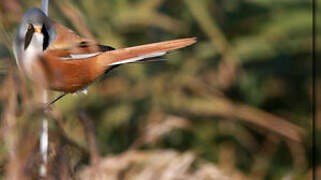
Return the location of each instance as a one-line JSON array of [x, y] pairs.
[[36, 31], [35, 16]]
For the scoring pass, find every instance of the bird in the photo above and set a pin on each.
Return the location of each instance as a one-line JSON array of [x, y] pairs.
[[57, 58]]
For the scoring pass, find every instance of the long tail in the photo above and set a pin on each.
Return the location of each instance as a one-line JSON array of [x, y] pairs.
[[139, 53]]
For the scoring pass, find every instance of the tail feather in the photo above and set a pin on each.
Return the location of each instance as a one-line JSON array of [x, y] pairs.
[[139, 58], [143, 52]]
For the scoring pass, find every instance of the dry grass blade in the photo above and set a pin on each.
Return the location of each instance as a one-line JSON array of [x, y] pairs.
[[228, 67], [146, 17], [76, 17], [18, 135], [269, 121], [157, 126], [148, 4], [213, 105], [266, 152], [90, 131], [148, 165], [220, 106]]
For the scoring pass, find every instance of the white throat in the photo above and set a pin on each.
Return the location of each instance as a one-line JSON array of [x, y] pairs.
[[33, 51]]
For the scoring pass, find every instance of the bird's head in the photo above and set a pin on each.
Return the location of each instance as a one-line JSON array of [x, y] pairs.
[[35, 30]]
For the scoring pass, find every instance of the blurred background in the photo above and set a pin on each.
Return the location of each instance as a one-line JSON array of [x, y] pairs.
[[236, 105]]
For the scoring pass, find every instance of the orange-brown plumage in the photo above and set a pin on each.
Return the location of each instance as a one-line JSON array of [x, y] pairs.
[[73, 75], [57, 58]]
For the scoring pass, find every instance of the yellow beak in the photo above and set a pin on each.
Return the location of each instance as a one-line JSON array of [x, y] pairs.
[[38, 29]]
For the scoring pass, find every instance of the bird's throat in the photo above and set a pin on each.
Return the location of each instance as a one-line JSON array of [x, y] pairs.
[[34, 50]]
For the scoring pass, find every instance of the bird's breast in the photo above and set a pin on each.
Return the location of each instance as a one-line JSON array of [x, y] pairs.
[[70, 75], [32, 53]]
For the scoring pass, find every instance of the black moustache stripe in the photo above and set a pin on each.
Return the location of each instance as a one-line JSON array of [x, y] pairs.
[[46, 37], [29, 35]]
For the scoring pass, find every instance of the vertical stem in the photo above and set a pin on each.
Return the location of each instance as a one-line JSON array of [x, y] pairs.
[[44, 130], [44, 140], [90, 132], [44, 6]]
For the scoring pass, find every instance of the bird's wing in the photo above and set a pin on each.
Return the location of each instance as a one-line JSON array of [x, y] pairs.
[[68, 45], [68, 40], [65, 37], [80, 51]]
